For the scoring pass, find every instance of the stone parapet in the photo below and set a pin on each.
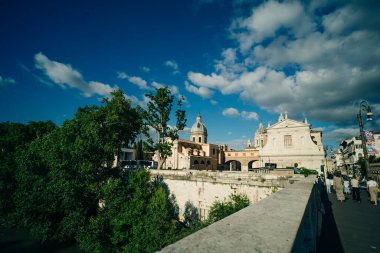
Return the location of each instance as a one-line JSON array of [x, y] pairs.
[[286, 221], [280, 180]]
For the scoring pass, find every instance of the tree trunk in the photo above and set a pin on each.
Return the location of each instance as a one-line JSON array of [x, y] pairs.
[[161, 162]]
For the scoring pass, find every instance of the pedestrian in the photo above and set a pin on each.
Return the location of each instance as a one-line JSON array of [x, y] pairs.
[[355, 189], [372, 189], [338, 186], [346, 184], [329, 180], [328, 185]]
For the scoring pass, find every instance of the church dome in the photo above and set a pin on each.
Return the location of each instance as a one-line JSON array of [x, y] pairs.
[[198, 126]]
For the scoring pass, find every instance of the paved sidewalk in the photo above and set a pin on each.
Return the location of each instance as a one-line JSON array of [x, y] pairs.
[[350, 227]]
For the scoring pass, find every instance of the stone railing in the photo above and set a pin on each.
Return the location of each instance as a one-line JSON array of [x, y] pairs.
[[287, 221]]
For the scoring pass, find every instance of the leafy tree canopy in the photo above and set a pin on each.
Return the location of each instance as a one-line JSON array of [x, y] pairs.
[[220, 210], [157, 116]]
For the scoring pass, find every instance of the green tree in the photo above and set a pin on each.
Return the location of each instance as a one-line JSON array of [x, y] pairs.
[[157, 116], [138, 217], [12, 137], [191, 216], [139, 150], [220, 210], [61, 175]]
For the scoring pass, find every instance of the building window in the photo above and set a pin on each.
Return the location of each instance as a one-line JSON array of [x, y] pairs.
[[262, 143], [200, 139], [213, 151], [193, 139], [287, 141]]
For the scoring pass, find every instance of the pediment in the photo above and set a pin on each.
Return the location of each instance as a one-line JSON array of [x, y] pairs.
[[288, 123]]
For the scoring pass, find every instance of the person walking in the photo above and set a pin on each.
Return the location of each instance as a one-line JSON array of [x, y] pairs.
[[329, 182], [338, 186], [346, 184], [328, 185], [372, 189], [355, 189]]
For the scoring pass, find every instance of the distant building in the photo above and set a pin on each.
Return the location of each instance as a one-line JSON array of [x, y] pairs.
[[351, 151], [290, 143], [377, 143], [195, 153]]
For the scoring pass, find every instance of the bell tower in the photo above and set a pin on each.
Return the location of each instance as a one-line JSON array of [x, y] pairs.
[[198, 131]]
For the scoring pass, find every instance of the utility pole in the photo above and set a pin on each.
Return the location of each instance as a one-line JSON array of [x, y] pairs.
[[364, 106]]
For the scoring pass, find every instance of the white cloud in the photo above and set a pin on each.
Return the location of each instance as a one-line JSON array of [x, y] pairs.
[[6, 80], [173, 65], [249, 115], [204, 92], [282, 62], [145, 69], [231, 112], [268, 18], [66, 76], [136, 80], [213, 102], [100, 88]]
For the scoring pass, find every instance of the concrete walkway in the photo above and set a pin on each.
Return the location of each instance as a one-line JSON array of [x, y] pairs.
[[350, 227]]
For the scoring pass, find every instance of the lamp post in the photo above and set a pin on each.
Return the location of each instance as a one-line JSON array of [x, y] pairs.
[[364, 107]]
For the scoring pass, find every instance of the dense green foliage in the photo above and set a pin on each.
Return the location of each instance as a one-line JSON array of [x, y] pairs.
[[157, 116], [138, 216], [15, 136], [220, 210]]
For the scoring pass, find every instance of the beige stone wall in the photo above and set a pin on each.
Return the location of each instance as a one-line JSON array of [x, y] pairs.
[[203, 188]]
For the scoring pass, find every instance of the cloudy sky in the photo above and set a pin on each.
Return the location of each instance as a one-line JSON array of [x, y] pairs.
[[237, 62]]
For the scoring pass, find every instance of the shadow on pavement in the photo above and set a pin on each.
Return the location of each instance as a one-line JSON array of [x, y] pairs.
[[329, 240]]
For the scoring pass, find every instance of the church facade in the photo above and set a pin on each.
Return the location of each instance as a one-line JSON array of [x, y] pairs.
[[290, 143]]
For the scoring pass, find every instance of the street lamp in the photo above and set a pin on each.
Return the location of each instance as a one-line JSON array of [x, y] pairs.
[[364, 107]]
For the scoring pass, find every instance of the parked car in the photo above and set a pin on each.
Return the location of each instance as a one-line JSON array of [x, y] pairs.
[[305, 171]]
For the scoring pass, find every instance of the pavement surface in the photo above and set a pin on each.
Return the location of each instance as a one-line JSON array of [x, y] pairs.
[[350, 227]]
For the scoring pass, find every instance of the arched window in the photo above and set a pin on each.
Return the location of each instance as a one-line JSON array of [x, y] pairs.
[[200, 139], [196, 162], [208, 163], [193, 139], [202, 162]]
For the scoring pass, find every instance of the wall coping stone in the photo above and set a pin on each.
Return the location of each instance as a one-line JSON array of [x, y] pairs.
[[271, 225]]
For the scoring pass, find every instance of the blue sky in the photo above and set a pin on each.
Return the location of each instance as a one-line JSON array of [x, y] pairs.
[[237, 62]]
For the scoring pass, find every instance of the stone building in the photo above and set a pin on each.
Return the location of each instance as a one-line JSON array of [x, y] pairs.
[[288, 143], [281, 145], [195, 153]]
